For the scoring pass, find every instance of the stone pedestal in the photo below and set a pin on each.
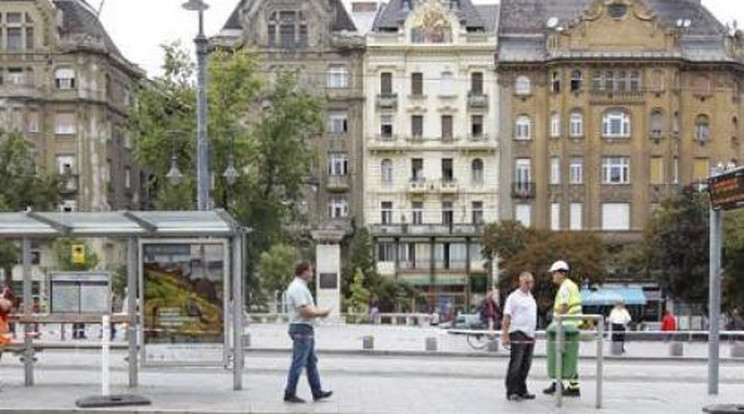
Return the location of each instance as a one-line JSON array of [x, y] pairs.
[[328, 270], [676, 349]]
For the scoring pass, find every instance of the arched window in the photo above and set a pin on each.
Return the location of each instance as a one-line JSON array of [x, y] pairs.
[[616, 124], [702, 128], [523, 128], [577, 123], [523, 86], [555, 125], [386, 168], [656, 123], [477, 171]]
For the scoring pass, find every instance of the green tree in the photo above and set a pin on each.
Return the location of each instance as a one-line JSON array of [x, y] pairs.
[[358, 301], [277, 268], [63, 250], [676, 241], [733, 263], [360, 255]]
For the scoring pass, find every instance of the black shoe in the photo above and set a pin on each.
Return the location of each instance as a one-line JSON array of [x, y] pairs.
[[322, 395], [572, 392], [514, 397], [293, 399], [527, 396], [551, 389]]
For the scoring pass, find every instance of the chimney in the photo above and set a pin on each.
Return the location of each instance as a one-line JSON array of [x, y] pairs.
[[364, 7]]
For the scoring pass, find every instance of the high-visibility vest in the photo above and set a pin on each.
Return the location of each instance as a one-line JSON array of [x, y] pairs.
[[5, 335], [574, 300]]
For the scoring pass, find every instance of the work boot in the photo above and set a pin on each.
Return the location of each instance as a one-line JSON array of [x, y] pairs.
[[551, 389], [572, 392]]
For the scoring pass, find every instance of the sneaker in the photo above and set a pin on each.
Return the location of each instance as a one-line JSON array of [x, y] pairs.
[[572, 392], [322, 395], [551, 389], [293, 399], [514, 397], [527, 396]]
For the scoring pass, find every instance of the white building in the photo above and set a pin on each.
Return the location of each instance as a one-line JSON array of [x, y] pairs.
[[431, 145]]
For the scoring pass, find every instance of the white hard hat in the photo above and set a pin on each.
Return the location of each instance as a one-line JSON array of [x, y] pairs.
[[559, 266]]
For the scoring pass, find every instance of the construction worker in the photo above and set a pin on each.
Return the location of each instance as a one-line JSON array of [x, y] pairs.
[[567, 303]]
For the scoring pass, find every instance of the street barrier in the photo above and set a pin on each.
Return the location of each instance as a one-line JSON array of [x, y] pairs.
[[559, 349]]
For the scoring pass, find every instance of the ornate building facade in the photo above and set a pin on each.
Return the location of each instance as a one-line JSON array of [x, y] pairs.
[[609, 105], [431, 144]]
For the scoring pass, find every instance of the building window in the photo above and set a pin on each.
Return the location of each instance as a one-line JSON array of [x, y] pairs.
[[292, 29], [447, 127], [417, 84], [616, 170], [617, 81], [17, 76], [448, 173], [64, 79], [65, 164], [523, 172], [65, 123], [675, 170], [577, 216], [702, 128], [386, 252], [656, 167], [577, 170], [448, 214], [555, 170], [577, 80], [30, 38], [523, 214], [338, 77], [523, 86], [338, 207], [477, 211], [338, 123], [615, 216], [577, 124], [555, 82], [386, 208], [701, 169], [555, 125], [447, 86], [272, 35], [523, 128], [386, 83], [68, 206], [32, 122], [417, 169], [616, 124], [555, 216], [476, 126], [386, 174], [477, 172], [656, 123], [338, 164], [386, 126], [15, 39], [417, 126], [476, 83], [417, 212]]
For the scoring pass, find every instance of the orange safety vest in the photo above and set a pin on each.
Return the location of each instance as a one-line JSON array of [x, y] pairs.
[[5, 336]]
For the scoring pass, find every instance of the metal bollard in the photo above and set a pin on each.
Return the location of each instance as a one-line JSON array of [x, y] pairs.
[[431, 344], [676, 349], [368, 343], [737, 350], [493, 345], [246, 339]]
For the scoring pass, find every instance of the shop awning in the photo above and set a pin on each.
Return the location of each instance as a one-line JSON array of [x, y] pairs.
[[610, 296]]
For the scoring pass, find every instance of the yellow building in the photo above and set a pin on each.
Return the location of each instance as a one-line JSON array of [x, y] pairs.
[[608, 105]]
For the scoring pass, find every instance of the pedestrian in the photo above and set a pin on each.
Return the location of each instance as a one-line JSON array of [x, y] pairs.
[[668, 324], [6, 306], [302, 316], [567, 303], [490, 312], [518, 333], [374, 310], [619, 320]]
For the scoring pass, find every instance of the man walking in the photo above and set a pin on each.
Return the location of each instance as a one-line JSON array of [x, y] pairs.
[[302, 316], [518, 331], [567, 303]]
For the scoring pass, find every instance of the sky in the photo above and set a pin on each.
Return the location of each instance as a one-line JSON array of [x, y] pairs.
[[139, 27]]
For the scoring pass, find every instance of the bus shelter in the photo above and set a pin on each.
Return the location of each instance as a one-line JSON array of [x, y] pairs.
[[185, 273]]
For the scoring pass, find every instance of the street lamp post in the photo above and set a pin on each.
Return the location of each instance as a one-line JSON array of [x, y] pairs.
[[202, 147]]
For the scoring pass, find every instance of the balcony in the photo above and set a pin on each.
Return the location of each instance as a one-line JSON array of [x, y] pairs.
[[417, 186], [655, 135], [523, 190], [338, 183], [387, 100], [383, 142], [477, 100], [415, 139], [19, 89], [448, 186], [426, 230], [480, 142], [69, 184], [616, 97]]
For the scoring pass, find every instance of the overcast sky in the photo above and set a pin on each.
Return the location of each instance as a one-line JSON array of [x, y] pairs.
[[139, 26]]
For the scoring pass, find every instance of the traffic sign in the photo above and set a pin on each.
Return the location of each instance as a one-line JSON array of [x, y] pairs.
[[727, 190]]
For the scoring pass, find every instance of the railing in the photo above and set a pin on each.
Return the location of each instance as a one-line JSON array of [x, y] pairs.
[[417, 185], [599, 96], [338, 183], [70, 184], [523, 190], [599, 322], [387, 100], [448, 185], [477, 100]]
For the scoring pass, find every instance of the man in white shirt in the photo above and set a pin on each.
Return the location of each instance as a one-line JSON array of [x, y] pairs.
[[302, 315], [619, 320], [518, 331]]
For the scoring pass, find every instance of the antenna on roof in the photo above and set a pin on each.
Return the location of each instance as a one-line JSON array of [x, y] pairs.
[[100, 8]]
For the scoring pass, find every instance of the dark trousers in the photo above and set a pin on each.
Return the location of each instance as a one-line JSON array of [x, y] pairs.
[[618, 334], [303, 357], [520, 362]]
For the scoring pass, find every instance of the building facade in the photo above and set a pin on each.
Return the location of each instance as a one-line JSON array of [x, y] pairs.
[[609, 105], [318, 40], [431, 144]]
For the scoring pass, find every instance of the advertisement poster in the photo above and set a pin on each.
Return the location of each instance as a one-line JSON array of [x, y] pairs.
[[183, 302]]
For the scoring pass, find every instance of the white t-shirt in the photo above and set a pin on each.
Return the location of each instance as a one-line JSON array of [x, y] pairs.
[[521, 309], [298, 295], [619, 317]]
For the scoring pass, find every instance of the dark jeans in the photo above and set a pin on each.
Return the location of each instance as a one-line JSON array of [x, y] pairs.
[[522, 349], [618, 334], [303, 357]]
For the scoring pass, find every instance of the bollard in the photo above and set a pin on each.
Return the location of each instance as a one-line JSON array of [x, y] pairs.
[[493, 345], [431, 344], [616, 348], [246, 340], [368, 343], [676, 349], [737, 350]]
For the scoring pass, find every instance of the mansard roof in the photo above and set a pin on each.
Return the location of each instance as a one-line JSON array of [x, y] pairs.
[[395, 13], [79, 18], [342, 20]]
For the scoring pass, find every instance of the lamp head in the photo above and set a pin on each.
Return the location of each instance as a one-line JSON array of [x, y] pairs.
[[195, 5]]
